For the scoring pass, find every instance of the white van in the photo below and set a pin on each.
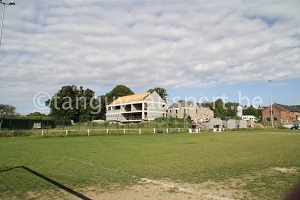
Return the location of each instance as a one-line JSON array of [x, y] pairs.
[[249, 118]]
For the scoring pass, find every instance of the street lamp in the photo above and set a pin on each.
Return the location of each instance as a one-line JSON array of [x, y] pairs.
[[11, 3], [271, 112]]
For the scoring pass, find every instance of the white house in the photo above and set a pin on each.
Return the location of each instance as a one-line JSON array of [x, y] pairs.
[[137, 107]]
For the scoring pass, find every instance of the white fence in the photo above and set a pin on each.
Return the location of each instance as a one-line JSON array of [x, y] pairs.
[[88, 132]]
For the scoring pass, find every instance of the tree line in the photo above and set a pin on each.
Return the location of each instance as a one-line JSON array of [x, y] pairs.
[[78, 104], [228, 109]]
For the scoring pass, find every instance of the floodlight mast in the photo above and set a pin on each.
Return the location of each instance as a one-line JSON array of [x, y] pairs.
[[271, 102], [10, 3]]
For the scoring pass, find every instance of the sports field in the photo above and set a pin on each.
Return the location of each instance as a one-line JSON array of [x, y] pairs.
[[229, 165]]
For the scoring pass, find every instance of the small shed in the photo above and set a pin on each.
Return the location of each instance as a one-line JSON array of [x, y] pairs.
[[242, 124], [194, 128], [231, 123], [215, 124]]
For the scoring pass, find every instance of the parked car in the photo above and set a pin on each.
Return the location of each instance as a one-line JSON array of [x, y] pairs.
[[295, 126]]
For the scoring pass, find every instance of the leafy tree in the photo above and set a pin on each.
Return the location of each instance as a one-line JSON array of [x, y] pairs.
[[87, 103], [250, 111], [230, 108], [102, 102], [36, 114], [259, 112], [6, 111], [161, 91], [209, 104], [71, 102], [222, 109], [108, 98], [118, 91], [189, 119], [219, 108]]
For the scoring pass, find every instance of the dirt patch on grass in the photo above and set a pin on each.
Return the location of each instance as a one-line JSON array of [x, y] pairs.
[[149, 189], [49, 194], [166, 189], [286, 170]]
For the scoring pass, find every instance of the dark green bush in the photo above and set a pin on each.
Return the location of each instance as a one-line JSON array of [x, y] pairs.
[[18, 133]]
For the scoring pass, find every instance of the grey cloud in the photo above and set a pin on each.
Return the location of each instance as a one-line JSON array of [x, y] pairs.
[[47, 44]]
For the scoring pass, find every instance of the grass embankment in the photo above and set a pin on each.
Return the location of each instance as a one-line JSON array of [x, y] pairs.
[[78, 162]]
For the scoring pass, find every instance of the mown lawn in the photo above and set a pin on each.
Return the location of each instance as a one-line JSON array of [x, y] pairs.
[[77, 162]]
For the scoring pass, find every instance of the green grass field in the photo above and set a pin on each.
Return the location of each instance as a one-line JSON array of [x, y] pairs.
[[29, 165]]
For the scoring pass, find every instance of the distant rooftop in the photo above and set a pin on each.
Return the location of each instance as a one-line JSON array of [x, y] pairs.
[[183, 103], [292, 108]]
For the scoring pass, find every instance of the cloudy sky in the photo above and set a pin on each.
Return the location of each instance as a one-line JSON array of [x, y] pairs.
[[198, 49]]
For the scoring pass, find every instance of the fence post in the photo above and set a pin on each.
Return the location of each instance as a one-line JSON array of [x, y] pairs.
[[88, 132], [66, 132], [124, 131], [42, 132], [140, 131], [106, 131], [154, 131], [167, 130]]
